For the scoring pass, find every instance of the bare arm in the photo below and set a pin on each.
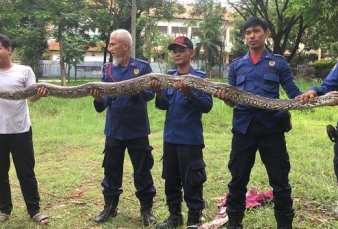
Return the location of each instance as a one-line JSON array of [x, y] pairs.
[[41, 92]]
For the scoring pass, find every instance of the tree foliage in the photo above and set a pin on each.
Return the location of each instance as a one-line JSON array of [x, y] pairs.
[[287, 27], [116, 15], [26, 31], [210, 44], [237, 37], [324, 16], [65, 20], [76, 19], [153, 12], [29, 23], [334, 50], [108, 15]]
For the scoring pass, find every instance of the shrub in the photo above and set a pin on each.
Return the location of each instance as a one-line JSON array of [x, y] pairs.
[[323, 67]]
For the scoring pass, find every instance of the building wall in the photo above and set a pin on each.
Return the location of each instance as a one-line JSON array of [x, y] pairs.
[[90, 56], [178, 27]]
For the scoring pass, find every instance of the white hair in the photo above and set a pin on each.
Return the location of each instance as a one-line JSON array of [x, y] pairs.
[[123, 36]]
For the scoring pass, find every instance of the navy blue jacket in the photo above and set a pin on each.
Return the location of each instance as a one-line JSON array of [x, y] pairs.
[[263, 78], [183, 122], [330, 82], [127, 116]]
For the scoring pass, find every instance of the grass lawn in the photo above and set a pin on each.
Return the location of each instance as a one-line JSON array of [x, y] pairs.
[[68, 140]]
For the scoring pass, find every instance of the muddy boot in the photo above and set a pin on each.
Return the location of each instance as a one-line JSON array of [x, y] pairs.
[[235, 219], [109, 210], [284, 221], [175, 218], [147, 213], [194, 219]]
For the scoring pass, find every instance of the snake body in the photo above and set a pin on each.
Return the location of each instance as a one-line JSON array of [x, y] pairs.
[[168, 81]]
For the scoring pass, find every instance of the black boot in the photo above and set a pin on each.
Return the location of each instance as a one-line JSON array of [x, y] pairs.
[[147, 213], [235, 219], [332, 133], [284, 221], [175, 218], [109, 210], [194, 219]]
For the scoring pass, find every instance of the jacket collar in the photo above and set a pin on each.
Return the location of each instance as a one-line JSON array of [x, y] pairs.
[[190, 71], [265, 54]]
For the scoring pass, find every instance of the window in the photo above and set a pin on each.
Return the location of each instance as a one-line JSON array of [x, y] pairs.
[[179, 31], [163, 29]]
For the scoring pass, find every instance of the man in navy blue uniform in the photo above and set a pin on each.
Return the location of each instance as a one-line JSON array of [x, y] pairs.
[[259, 72], [183, 164], [330, 84], [127, 127]]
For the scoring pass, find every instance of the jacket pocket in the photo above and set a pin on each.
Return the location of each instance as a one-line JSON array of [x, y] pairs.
[[240, 82], [271, 83]]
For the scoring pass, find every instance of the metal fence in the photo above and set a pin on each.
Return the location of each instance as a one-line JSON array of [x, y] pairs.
[[89, 69], [304, 71]]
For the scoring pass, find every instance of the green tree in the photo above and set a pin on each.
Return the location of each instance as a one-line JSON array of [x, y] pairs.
[[29, 35], [161, 54], [9, 17], [153, 12], [65, 17], [74, 53], [209, 35], [334, 50], [108, 15], [287, 26], [237, 37], [324, 17], [116, 15]]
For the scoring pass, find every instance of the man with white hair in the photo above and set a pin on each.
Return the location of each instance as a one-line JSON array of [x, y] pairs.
[[126, 127]]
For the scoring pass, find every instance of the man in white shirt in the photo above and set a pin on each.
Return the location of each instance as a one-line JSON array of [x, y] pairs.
[[16, 136]]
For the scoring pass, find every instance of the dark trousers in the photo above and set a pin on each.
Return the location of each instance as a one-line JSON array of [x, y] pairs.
[[140, 154], [183, 167], [272, 148], [335, 160], [21, 148]]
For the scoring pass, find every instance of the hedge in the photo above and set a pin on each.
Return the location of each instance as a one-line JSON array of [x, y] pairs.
[[323, 67]]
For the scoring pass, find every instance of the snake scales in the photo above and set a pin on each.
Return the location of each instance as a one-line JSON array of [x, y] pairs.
[[167, 81]]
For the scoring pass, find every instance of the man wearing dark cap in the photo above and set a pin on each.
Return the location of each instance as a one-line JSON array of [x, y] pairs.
[[183, 164], [183, 42]]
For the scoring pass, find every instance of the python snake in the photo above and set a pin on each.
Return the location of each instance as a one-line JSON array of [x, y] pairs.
[[168, 81]]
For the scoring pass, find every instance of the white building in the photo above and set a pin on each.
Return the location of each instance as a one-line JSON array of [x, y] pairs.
[[179, 27], [92, 54]]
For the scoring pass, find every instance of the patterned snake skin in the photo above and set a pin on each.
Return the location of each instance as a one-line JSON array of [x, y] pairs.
[[168, 81]]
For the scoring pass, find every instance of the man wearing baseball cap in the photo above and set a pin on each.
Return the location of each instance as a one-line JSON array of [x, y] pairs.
[[183, 164], [183, 42]]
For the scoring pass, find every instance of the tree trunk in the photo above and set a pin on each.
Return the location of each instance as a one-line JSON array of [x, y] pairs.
[[68, 71], [75, 74], [62, 62], [133, 26]]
